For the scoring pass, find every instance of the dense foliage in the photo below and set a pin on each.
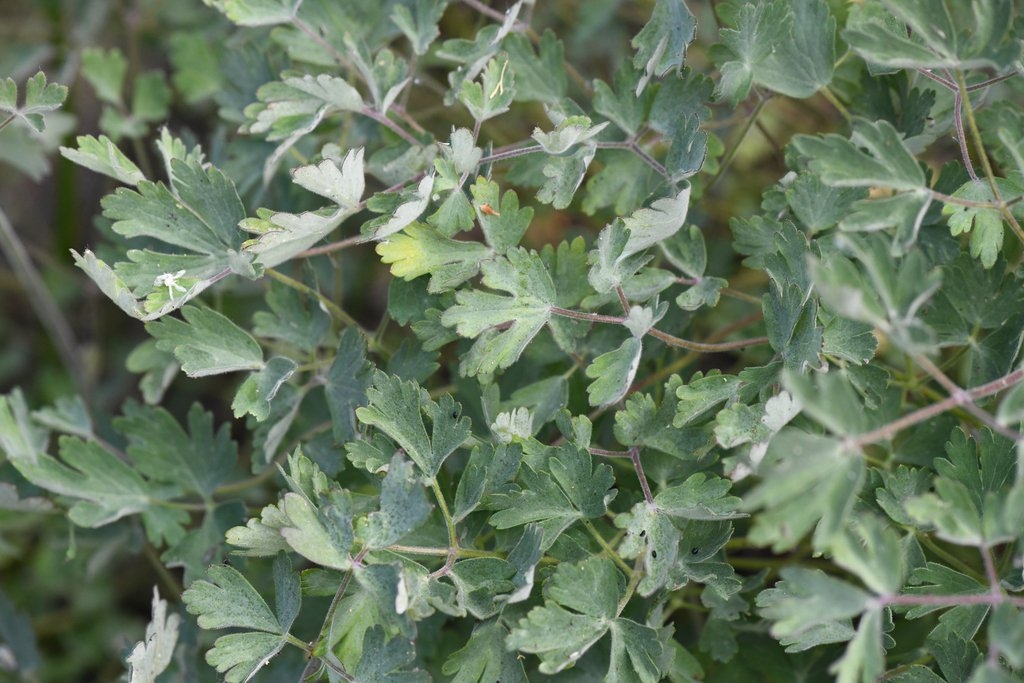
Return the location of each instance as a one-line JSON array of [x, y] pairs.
[[622, 341]]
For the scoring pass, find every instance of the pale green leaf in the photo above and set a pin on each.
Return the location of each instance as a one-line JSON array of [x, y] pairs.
[[636, 653], [322, 534], [151, 656], [259, 389], [228, 600], [198, 461], [874, 155], [105, 70], [539, 77], [809, 607], [344, 186], [421, 250], [661, 44], [383, 660], [260, 12], [419, 24], [102, 156], [504, 223], [563, 176], [864, 659], [613, 373], [495, 91], [410, 207], [485, 659], [403, 507], [207, 343]]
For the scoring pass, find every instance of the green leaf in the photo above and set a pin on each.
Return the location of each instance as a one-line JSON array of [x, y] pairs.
[[484, 584], [344, 186], [18, 637], [151, 97], [322, 534], [493, 94], [419, 24], [257, 392], [699, 497], [384, 659], [105, 70], [260, 12], [788, 47], [864, 659], [984, 224], [559, 636], [661, 44], [503, 222], [925, 36], [636, 653], [40, 97], [198, 461], [650, 226], [520, 316], [207, 343], [422, 250], [397, 408], [588, 487], [807, 480], [613, 373], [151, 656], [650, 533], [409, 208], [875, 155], [488, 471], [622, 105], [102, 156], [563, 176], [347, 381], [809, 608], [107, 489], [484, 658], [1006, 633], [228, 600], [538, 78], [403, 507], [819, 206], [289, 319], [873, 553], [791, 322]]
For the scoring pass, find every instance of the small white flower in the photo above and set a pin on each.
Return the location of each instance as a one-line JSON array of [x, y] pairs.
[[170, 281]]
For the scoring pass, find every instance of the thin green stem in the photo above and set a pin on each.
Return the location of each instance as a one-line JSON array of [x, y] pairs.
[[329, 305], [44, 305], [612, 555], [731, 154], [449, 523], [986, 164], [834, 101], [669, 339]]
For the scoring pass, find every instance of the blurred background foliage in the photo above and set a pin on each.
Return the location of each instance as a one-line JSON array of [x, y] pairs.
[[86, 593]]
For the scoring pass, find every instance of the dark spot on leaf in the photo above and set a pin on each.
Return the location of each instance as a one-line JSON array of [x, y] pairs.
[[643, 532], [654, 554], [696, 550]]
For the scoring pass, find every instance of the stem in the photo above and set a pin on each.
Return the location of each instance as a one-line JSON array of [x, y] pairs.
[[834, 101], [384, 120], [964, 399], [634, 455], [632, 146], [453, 539], [614, 556], [961, 137], [930, 411], [331, 307], [44, 305], [658, 334], [511, 153], [727, 161], [985, 163], [6, 122], [332, 246]]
